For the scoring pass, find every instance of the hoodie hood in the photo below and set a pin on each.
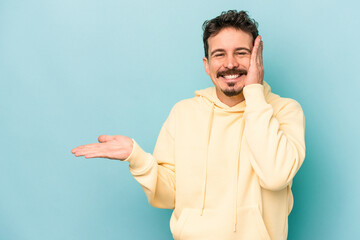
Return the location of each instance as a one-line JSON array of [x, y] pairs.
[[210, 97]]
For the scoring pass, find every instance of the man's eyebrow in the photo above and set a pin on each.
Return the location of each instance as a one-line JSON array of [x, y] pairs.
[[237, 49], [243, 48]]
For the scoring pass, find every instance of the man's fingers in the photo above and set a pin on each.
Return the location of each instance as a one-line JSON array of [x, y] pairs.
[[78, 151], [262, 50], [95, 155], [88, 152], [82, 152], [106, 138], [259, 54], [261, 62], [254, 53], [87, 146]]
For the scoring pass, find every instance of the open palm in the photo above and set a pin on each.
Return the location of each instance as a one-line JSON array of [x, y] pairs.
[[112, 147]]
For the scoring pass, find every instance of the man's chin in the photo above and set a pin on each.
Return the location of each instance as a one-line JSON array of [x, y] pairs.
[[232, 92]]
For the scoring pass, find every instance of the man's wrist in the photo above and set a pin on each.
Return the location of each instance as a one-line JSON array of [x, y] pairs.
[[131, 152], [139, 160], [254, 94]]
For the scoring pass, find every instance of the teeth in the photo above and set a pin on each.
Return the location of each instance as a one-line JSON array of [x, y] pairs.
[[231, 76]]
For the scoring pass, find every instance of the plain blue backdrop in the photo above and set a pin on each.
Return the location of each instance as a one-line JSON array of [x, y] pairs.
[[71, 70]]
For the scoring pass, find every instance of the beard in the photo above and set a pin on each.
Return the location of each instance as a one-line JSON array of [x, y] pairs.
[[232, 91]]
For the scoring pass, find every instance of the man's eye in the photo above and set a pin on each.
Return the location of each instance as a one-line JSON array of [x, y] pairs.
[[219, 55], [241, 53]]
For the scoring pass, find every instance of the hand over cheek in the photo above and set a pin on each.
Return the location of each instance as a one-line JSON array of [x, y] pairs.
[[256, 69]]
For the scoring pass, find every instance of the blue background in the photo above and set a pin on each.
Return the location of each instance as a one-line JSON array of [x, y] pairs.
[[72, 70]]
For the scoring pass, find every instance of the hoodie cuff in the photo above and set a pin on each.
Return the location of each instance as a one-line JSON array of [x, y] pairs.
[[254, 95], [139, 160]]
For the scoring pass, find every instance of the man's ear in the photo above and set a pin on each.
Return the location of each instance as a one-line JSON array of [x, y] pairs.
[[206, 65]]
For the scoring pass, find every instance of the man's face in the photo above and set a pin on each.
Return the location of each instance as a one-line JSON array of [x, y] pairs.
[[228, 60]]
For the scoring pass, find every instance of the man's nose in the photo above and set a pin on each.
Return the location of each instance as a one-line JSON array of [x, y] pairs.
[[231, 62]]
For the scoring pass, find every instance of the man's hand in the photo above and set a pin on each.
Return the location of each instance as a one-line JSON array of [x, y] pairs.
[[256, 68], [113, 147]]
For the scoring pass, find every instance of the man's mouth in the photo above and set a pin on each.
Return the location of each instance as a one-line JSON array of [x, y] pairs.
[[229, 77], [232, 74]]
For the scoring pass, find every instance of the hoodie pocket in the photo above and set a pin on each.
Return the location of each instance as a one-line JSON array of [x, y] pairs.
[[178, 227], [255, 226], [218, 224]]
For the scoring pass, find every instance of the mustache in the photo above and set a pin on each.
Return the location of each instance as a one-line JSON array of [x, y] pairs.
[[234, 71]]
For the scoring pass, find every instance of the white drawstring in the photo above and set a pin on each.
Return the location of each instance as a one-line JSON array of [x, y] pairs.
[[207, 156], [236, 175]]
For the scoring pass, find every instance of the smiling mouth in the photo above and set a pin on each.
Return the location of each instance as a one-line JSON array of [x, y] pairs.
[[232, 74], [231, 77]]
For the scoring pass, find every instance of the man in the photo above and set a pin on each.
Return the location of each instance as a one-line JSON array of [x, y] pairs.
[[225, 159]]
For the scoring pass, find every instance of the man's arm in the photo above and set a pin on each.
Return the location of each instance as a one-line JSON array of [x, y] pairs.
[[155, 173], [276, 143]]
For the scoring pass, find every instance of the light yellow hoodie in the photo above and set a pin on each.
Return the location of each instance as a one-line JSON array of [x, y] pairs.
[[226, 171]]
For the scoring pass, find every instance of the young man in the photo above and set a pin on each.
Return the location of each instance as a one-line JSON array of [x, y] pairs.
[[225, 159]]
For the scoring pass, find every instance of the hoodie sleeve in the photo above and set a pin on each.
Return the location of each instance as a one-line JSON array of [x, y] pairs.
[[156, 173], [276, 142]]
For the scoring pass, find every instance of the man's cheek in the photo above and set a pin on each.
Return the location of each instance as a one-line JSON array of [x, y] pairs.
[[245, 62]]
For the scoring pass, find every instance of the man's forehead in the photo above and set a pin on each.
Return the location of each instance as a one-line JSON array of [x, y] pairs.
[[230, 38]]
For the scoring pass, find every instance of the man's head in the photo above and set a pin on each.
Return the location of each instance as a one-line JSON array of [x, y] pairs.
[[232, 18], [228, 41]]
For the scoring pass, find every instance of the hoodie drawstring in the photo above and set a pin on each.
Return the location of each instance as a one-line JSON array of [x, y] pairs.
[[235, 191], [236, 175], [207, 155]]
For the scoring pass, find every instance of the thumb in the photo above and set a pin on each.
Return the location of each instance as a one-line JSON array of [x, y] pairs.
[[105, 138]]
